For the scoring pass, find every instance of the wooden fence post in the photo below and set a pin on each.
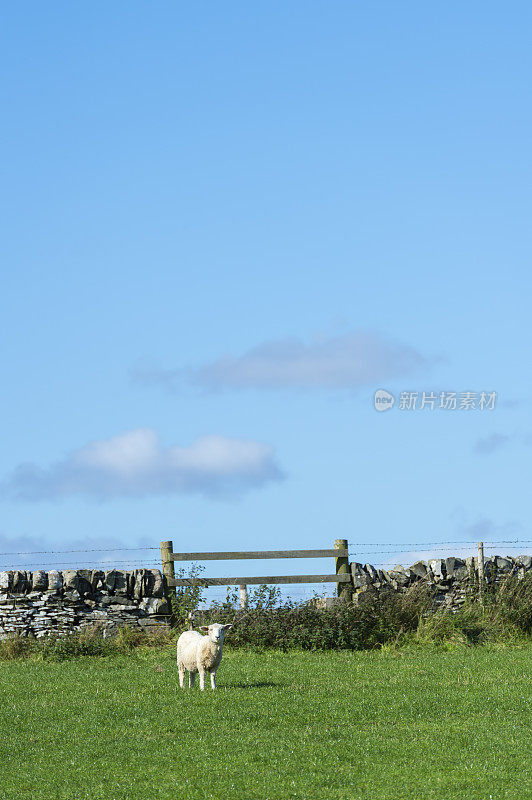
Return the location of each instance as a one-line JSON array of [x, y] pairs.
[[344, 590], [167, 548], [481, 572], [243, 596]]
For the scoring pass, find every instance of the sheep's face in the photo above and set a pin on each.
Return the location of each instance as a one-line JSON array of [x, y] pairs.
[[216, 632]]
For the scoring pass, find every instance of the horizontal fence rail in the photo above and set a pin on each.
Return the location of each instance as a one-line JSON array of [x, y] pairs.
[[263, 579], [249, 554], [340, 553]]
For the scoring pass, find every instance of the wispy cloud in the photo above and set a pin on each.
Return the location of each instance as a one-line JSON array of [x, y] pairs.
[[497, 441], [136, 464], [489, 444], [350, 362], [486, 529]]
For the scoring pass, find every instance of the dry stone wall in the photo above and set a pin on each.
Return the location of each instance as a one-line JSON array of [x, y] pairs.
[[38, 603], [450, 578]]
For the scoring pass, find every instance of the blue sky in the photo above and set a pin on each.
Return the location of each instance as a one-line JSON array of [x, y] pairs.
[[224, 228]]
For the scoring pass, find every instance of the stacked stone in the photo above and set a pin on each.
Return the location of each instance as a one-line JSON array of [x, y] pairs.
[[38, 603], [449, 578]]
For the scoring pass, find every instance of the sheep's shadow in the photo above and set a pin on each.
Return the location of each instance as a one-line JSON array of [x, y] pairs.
[[258, 685]]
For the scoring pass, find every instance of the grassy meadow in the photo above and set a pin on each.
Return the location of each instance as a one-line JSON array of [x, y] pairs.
[[380, 725]]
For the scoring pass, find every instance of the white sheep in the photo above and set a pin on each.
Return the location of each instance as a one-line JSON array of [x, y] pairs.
[[201, 654]]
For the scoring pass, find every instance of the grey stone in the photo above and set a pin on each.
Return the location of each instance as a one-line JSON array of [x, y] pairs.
[[138, 584], [118, 600], [524, 561], [104, 600], [116, 581], [121, 581], [153, 583], [52, 600], [130, 582], [85, 582], [471, 564], [20, 583], [419, 569], [154, 605], [437, 568], [6, 580], [360, 578], [55, 580], [97, 579], [455, 568], [398, 575], [70, 579], [109, 580], [503, 564], [386, 576], [39, 580], [72, 596]]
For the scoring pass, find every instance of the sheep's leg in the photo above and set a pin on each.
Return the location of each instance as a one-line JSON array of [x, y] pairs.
[[213, 679], [181, 675], [202, 679], [191, 679]]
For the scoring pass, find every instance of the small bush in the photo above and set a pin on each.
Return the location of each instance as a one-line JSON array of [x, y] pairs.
[[187, 598], [16, 646], [127, 639], [89, 642], [511, 602]]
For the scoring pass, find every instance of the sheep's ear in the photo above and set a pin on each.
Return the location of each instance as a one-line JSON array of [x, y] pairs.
[[226, 627], [204, 628]]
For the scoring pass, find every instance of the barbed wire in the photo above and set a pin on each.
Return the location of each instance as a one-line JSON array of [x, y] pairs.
[[351, 544], [431, 544], [405, 552], [81, 565], [93, 550], [399, 548]]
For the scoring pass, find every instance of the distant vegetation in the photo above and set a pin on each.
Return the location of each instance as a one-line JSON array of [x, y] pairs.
[[393, 620]]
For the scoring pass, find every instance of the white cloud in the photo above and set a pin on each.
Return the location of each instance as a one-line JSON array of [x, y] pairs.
[[343, 362], [136, 464]]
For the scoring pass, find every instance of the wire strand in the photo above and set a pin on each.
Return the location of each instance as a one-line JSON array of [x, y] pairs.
[[431, 544], [93, 550]]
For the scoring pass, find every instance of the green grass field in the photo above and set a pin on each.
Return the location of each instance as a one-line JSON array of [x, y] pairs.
[[381, 725]]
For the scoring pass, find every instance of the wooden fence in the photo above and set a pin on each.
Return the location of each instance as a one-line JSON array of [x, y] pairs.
[[340, 553]]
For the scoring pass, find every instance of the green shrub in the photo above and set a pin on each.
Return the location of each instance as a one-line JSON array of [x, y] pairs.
[[186, 599], [16, 646], [89, 642], [268, 623], [388, 620]]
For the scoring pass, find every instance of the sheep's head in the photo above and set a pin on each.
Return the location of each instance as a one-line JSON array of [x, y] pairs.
[[216, 632]]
